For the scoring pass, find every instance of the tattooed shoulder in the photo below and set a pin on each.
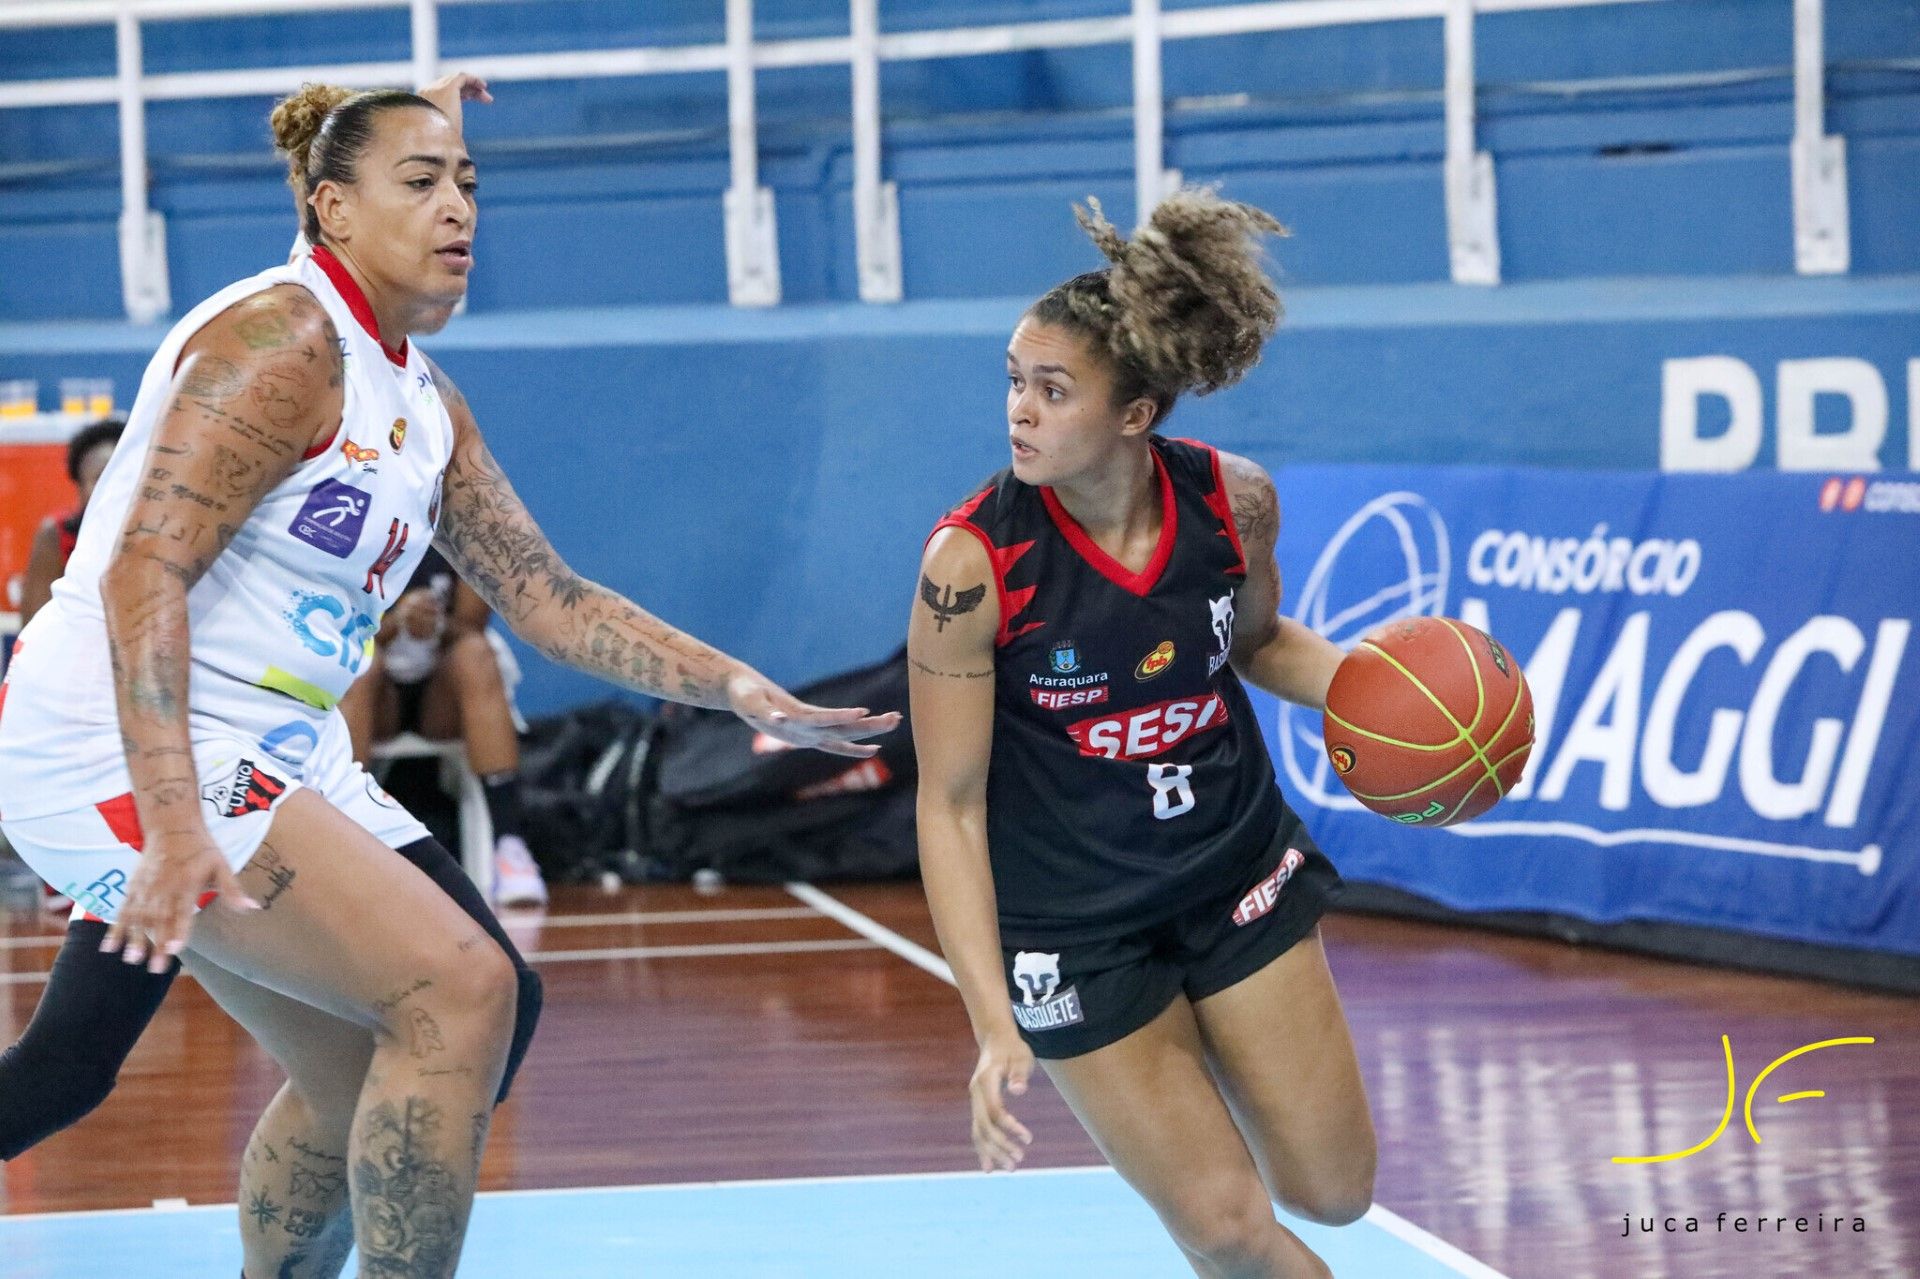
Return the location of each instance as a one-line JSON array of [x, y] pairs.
[[1256, 507]]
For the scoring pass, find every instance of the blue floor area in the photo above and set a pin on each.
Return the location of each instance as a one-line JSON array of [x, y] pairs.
[[1056, 1224]]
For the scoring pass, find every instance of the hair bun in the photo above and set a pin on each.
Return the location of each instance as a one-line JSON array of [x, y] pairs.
[[296, 123], [1192, 301]]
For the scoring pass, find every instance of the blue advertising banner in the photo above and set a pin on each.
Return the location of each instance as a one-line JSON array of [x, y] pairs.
[[1726, 690]]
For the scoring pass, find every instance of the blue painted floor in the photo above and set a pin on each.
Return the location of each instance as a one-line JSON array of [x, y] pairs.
[[1056, 1224]]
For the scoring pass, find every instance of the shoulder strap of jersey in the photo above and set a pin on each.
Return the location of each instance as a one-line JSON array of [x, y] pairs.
[[1200, 463], [977, 515]]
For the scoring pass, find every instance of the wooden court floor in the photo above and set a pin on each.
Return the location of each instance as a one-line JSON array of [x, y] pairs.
[[746, 1034]]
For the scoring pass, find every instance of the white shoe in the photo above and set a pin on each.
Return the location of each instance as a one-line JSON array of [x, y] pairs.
[[516, 876]]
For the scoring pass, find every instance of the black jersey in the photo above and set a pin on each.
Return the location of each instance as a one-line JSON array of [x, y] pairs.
[[1128, 776]]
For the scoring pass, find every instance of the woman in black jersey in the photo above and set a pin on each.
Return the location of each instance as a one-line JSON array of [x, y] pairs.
[[1120, 886]]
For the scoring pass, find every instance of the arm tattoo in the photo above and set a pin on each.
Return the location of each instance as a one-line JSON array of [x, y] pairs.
[[947, 603], [253, 395], [1256, 508], [500, 551], [919, 665]]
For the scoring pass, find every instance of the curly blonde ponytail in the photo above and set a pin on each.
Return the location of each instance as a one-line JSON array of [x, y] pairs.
[[1186, 305]]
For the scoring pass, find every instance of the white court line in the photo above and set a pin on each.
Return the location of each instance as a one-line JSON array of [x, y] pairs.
[[748, 1183], [914, 953], [1397, 1226], [1433, 1245], [738, 915], [695, 951], [690, 951]]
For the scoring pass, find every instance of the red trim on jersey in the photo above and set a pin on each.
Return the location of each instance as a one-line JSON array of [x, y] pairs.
[[356, 301], [1221, 505], [318, 449], [1141, 583], [1012, 603], [123, 819]]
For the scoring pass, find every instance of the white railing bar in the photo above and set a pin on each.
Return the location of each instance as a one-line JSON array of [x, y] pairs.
[[743, 142], [1271, 16], [81, 13], [133, 117], [89, 91], [1809, 70], [679, 59], [1149, 111], [426, 41]]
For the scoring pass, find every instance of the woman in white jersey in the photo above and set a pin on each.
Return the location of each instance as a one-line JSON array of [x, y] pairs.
[[289, 457]]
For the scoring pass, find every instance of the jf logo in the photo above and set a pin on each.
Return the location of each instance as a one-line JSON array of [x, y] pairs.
[[1726, 1044]]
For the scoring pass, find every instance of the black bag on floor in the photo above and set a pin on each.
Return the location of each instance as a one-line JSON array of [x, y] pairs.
[[722, 797], [582, 789]]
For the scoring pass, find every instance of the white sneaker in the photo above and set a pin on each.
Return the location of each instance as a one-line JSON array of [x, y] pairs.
[[516, 876]]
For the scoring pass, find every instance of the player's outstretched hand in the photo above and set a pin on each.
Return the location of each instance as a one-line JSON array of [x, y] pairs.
[[779, 714], [1005, 1064], [168, 881], [453, 89]]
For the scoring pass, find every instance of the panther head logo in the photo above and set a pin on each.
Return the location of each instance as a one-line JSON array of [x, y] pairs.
[[1223, 620], [1038, 976]]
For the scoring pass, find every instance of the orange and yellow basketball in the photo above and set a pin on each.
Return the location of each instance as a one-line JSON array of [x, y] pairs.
[[1429, 721]]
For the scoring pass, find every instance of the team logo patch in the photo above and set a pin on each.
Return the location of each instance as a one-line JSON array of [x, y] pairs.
[[248, 790], [291, 743], [1059, 699], [1263, 896], [1064, 658], [1146, 731], [398, 435], [1156, 662], [1221, 611], [378, 794], [1342, 759], [354, 453], [331, 518], [1043, 1005], [1499, 654]]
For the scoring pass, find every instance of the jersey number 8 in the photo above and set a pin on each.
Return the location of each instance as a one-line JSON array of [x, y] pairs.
[[1172, 789]]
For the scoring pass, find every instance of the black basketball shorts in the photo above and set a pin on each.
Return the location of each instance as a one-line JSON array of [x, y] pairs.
[[1086, 995]]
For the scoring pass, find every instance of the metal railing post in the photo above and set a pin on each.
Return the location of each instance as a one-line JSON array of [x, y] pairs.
[[144, 289], [876, 204], [1822, 243], [753, 245], [1152, 180], [1473, 236], [426, 41]]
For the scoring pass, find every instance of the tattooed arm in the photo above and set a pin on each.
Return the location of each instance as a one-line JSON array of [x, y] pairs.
[[254, 389], [491, 539], [1276, 653], [950, 650]]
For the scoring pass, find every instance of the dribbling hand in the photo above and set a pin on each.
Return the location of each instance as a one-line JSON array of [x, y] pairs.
[[1005, 1064], [779, 714], [168, 880]]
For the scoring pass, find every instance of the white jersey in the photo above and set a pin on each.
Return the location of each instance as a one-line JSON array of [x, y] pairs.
[[284, 619]]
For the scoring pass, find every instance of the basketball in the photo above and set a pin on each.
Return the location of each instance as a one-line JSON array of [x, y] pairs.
[[1429, 721]]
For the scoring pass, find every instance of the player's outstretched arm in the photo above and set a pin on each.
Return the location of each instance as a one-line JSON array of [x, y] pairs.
[[1276, 653], [488, 535], [254, 390], [950, 648]]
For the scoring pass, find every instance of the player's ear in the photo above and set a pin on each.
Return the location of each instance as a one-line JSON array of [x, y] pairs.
[[1140, 415]]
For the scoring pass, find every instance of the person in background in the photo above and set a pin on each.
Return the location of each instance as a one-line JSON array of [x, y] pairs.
[[439, 671], [87, 454]]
